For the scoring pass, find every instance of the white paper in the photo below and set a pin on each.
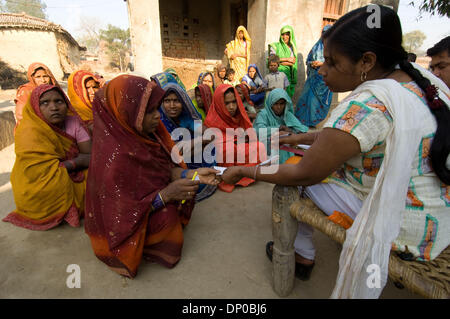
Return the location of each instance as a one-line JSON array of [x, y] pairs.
[[270, 160], [220, 168]]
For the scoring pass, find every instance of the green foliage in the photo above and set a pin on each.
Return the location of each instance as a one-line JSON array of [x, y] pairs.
[[118, 44], [439, 7], [413, 40], [35, 8]]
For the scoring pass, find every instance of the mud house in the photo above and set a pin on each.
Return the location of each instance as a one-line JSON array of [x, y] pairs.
[[25, 39], [190, 36]]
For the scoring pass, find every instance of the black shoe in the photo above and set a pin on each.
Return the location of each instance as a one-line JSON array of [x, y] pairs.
[[269, 250], [302, 272]]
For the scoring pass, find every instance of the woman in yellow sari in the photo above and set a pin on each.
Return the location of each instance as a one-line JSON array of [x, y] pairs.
[[238, 52], [52, 155], [81, 88]]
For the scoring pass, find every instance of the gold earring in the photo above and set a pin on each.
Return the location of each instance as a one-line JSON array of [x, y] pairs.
[[363, 76]]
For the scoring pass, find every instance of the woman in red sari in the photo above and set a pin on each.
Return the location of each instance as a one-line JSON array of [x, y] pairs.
[[134, 191], [227, 113], [38, 73]]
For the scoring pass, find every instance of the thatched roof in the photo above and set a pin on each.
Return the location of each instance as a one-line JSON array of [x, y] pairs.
[[24, 21]]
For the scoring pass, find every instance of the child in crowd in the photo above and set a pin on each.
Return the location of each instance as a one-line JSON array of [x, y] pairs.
[[230, 78], [275, 79]]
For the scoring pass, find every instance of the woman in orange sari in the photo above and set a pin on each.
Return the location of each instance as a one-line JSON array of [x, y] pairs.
[[135, 194], [81, 88], [52, 155], [38, 73], [228, 112]]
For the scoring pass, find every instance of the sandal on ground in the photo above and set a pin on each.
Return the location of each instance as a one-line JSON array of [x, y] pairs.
[[302, 272]]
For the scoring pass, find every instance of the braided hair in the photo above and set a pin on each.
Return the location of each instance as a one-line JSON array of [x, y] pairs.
[[352, 37]]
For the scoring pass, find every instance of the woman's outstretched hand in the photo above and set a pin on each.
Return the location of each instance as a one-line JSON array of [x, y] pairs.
[[232, 175], [207, 176]]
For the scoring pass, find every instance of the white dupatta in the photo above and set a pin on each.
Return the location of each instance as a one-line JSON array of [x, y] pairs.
[[369, 240]]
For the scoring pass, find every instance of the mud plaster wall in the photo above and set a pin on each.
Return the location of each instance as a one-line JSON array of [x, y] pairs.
[[69, 54], [20, 48]]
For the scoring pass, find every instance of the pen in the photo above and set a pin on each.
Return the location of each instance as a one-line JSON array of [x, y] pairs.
[[193, 178]]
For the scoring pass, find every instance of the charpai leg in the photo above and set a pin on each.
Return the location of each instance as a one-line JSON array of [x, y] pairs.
[[284, 231]]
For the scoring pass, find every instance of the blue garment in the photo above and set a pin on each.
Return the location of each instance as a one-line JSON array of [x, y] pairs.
[[267, 120], [257, 82], [188, 115], [163, 79], [190, 119], [315, 100]]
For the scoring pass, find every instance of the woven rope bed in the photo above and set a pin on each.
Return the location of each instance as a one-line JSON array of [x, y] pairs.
[[429, 279]]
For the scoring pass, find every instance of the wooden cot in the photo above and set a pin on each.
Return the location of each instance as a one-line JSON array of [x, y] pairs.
[[428, 279]]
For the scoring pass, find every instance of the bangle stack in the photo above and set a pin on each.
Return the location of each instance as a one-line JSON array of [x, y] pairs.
[[158, 202]]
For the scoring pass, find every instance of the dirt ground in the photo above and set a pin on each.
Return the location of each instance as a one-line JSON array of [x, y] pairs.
[[223, 255]]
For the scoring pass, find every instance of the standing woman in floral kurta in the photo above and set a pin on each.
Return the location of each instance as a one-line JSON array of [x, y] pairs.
[[286, 49]]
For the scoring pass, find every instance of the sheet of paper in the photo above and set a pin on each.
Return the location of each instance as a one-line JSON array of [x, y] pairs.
[[270, 160], [220, 168]]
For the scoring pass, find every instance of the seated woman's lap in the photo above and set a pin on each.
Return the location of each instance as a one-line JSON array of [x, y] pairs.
[[330, 197], [258, 99], [162, 220]]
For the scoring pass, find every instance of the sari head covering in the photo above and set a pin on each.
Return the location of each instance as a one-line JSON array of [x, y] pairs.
[[315, 100], [246, 93], [188, 114], [284, 51], [163, 78], [78, 94], [24, 91], [201, 76], [129, 169], [257, 81], [175, 75], [239, 47], [219, 117], [44, 192], [267, 119], [206, 94]]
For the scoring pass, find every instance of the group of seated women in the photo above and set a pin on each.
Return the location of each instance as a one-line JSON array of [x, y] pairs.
[[129, 122]]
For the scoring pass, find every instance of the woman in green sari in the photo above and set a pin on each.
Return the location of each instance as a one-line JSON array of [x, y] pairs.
[[278, 113], [175, 75], [286, 49]]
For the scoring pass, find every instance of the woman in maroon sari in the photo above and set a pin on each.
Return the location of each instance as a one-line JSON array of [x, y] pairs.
[[134, 193]]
